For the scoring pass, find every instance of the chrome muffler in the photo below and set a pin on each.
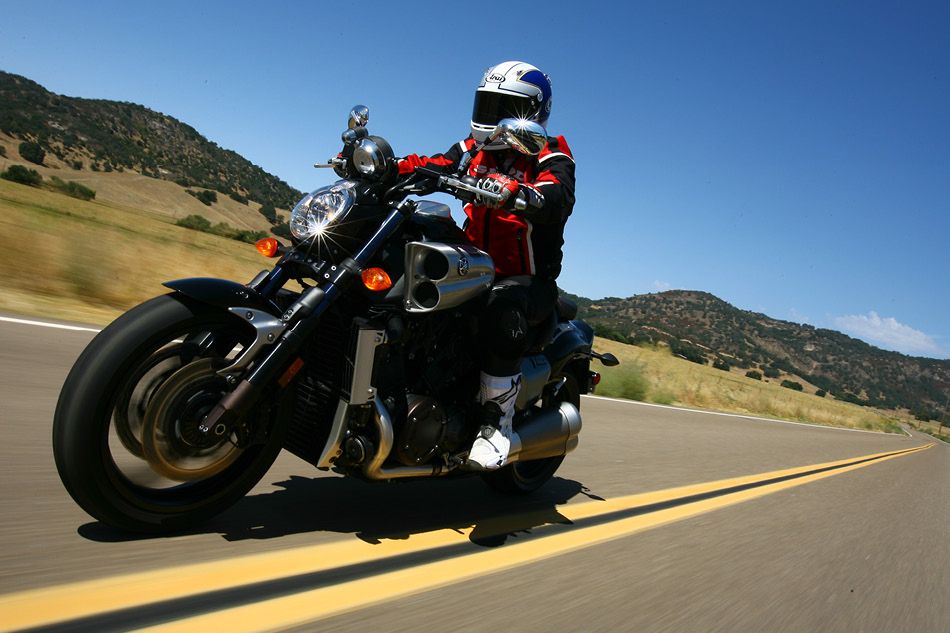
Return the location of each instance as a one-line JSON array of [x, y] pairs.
[[546, 434]]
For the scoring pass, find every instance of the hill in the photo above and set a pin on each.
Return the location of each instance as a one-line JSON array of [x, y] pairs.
[[110, 136], [705, 329]]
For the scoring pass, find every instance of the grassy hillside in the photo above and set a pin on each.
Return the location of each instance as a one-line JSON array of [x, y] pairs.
[[654, 374], [89, 261], [706, 330], [131, 190]]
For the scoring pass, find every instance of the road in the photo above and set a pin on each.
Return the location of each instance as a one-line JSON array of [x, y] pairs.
[[834, 546]]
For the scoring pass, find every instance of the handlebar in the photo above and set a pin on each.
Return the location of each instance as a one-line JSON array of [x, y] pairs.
[[454, 186]]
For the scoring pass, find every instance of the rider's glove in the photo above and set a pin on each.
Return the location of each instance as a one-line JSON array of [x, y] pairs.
[[496, 183]]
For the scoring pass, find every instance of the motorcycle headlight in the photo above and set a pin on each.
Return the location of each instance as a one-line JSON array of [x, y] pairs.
[[316, 211]]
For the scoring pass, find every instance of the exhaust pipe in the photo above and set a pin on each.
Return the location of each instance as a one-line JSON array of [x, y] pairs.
[[373, 469], [547, 434]]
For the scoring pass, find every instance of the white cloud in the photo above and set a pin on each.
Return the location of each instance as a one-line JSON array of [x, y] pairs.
[[661, 286], [889, 333]]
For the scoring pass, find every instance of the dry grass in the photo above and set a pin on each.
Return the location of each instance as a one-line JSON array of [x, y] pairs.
[[665, 379], [89, 261]]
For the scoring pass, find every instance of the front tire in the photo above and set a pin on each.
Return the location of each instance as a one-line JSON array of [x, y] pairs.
[[521, 478], [103, 468]]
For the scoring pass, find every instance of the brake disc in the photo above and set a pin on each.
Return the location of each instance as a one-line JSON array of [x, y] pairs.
[[171, 442]]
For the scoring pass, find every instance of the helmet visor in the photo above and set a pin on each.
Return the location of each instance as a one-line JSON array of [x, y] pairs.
[[492, 107]]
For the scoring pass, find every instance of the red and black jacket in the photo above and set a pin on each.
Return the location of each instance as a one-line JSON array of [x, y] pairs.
[[520, 242]]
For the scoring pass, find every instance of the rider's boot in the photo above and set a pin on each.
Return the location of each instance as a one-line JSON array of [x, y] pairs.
[[497, 397]]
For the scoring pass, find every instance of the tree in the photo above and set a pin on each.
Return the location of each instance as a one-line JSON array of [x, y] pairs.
[[32, 152], [795, 386], [821, 393], [754, 375]]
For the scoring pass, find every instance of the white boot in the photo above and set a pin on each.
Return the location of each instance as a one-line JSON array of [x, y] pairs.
[[498, 395]]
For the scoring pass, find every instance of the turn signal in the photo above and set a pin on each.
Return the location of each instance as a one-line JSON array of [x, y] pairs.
[[268, 246], [376, 279]]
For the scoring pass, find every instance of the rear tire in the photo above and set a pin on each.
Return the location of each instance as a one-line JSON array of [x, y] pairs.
[[90, 462], [521, 478]]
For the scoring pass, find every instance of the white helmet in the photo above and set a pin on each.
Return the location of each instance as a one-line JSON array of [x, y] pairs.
[[510, 90]]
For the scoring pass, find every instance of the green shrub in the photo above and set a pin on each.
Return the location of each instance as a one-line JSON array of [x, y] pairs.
[[754, 375], [250, 236], [223, 229], [3, 151], [821, 393], [721, 364], [628, 382], [269, 212], [281, 230], [71, 188], [77, 190], [22, 175], [196, 222], [77, 165], [205, 196], [32, 152], [771, 372], [237, 197], [796, 386]]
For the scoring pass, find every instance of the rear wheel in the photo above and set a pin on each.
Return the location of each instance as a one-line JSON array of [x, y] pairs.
[[125, 434], [526, 477]]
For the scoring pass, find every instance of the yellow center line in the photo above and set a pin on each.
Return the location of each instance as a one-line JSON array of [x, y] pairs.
[[46, 606]]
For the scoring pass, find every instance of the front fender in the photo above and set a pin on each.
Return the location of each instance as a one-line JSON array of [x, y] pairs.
[[222, 293]]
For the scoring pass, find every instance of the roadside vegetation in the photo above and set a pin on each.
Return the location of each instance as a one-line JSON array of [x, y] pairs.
[[32, 178], [201, 223], [654, 374], [90, 260]]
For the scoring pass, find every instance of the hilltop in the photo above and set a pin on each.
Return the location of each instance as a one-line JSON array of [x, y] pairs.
[[112, 136], [705, 329]]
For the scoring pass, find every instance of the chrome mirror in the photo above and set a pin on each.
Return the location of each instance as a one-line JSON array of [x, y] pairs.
[[525, 136], [359, 117]]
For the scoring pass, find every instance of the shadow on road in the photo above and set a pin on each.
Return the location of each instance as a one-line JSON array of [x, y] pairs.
[[376, 512]]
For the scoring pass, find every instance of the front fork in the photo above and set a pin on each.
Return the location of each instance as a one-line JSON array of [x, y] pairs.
[[289, 333]]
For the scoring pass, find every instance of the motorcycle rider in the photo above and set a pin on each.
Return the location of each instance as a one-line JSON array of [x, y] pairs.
[[524, 244]]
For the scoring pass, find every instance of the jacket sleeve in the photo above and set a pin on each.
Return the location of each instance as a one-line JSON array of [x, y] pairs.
[[554, 182], [446, 162]]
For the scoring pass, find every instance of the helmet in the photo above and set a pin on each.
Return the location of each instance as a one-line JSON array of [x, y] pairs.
[[510, 89]]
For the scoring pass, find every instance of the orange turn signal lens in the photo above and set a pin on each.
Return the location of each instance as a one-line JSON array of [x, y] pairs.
[[376, 279], [268, 246]]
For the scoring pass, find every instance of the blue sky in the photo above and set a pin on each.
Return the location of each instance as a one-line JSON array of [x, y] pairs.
[[791, 159]]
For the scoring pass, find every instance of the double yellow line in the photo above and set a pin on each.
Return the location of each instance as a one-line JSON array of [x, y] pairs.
[[300, 585]]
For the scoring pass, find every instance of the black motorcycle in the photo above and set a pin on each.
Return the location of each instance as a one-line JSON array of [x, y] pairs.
[[356, 352]]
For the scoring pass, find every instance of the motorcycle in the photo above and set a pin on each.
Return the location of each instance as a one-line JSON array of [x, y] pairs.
[[355, 352]]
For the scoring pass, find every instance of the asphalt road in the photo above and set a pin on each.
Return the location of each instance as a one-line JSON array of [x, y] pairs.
[[863, 549]]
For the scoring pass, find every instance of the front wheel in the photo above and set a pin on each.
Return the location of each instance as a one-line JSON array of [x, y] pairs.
[[125, 435], [526, 477]]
